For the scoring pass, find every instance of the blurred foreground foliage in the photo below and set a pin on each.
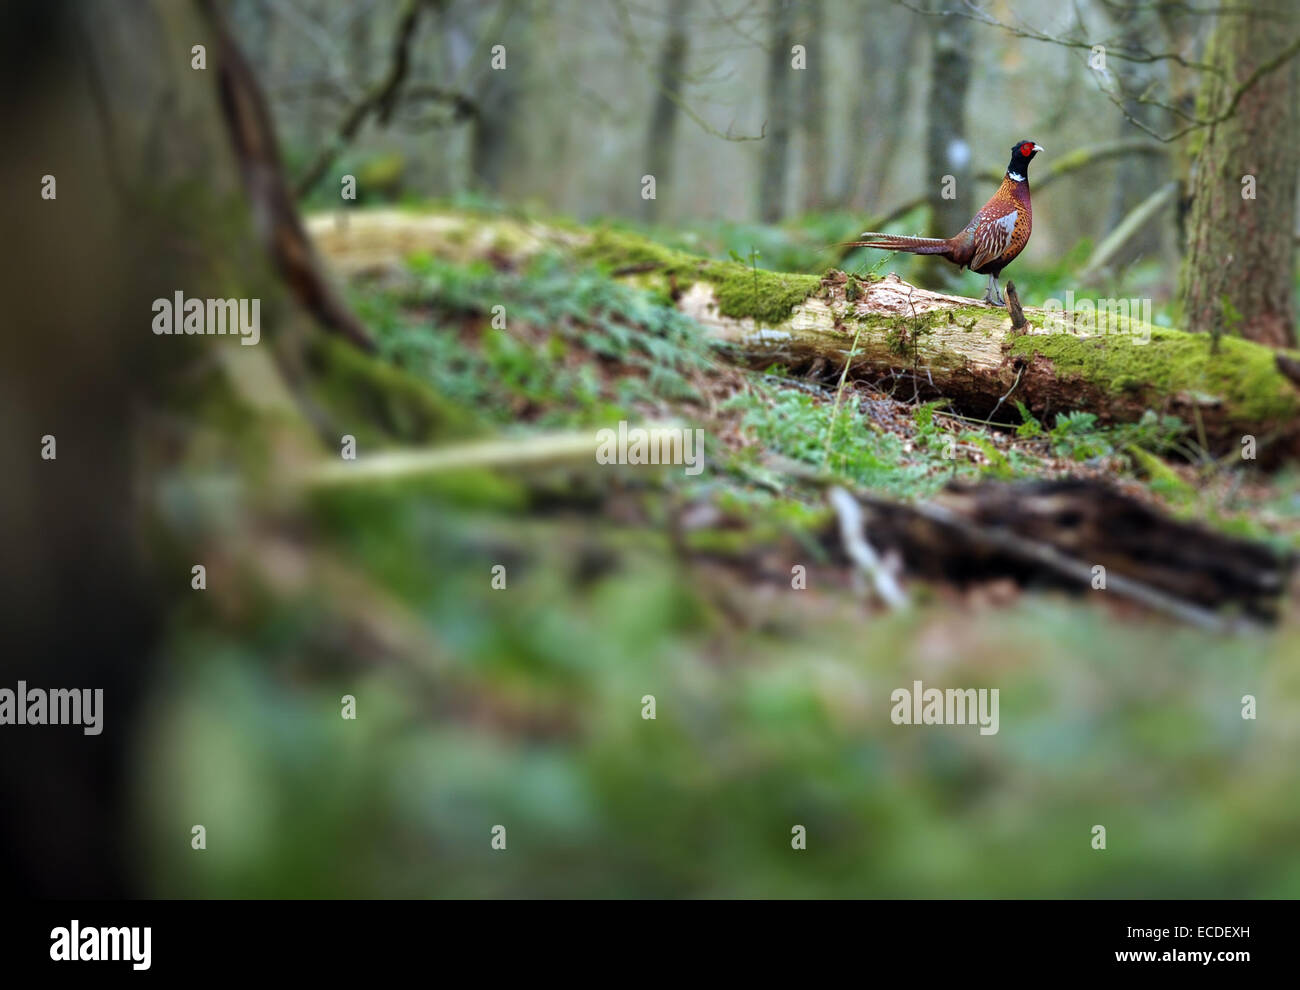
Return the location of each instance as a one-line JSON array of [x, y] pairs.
[[522, 707]]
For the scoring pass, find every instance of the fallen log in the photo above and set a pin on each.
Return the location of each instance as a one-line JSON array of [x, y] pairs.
[[1084, 536], [1078, 535], [1099, 358]]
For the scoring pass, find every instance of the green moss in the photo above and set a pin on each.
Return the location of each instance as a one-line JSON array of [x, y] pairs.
[[1163, 479], [1242, 373], [768, 297], [741, 292], [970, 316]]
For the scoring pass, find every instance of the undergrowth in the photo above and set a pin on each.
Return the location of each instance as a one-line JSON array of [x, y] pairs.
[[561, 345]]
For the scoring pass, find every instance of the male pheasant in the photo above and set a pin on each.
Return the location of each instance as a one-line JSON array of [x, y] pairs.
[[993, 238]]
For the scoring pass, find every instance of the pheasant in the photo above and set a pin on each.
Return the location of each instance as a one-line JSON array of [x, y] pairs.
[[993, 238]]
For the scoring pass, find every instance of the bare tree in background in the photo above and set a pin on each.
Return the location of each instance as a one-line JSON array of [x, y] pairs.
[[947, 152], [776, 149], [498, 99], [813, 115], [259, 25], [359, 37], [880, 82], [1138, 178], [661, 136], [1238, 275]]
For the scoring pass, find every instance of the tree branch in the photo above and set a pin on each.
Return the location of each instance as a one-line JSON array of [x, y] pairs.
[[980, 16], [1085, 157], [253, 136], [380, 100]]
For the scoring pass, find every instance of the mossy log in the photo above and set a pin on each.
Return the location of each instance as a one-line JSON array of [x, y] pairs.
[[927, 344]]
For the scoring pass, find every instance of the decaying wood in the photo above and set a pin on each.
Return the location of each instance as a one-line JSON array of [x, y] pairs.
[[860, 551], [1018, 321], [1057, 533], [940, 349]]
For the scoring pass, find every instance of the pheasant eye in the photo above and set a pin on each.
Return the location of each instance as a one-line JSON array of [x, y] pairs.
[[1026, 148]]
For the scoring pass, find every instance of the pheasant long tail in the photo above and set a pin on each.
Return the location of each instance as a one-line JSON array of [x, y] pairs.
[[894, 242]]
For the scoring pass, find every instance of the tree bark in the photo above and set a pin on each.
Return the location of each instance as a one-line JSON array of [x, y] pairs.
[[148, 202], [359, 33], [252, 135], [1240, 265]]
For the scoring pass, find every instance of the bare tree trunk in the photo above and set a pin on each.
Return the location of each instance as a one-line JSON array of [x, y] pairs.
[[813, 118], [1240, 265], [148, 202], [863, 129], [886, 128], [661, 138], [359, 35], [948, 154], [881, 85], [776, 149], [494, 139]]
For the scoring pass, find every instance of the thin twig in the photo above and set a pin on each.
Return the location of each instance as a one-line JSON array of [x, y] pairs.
[[861, 552]]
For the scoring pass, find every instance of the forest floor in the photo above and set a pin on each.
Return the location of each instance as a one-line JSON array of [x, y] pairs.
[[522, 701], [579, 349]]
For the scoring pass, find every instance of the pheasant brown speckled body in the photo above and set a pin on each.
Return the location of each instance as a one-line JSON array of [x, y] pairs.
[[995, 235]]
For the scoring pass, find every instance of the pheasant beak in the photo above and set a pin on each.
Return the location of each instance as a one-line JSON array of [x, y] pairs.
[[1038, 148]]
